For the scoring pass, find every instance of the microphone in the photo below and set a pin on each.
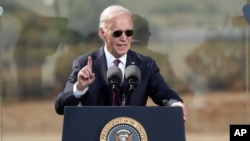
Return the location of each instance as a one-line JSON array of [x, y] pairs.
[[1, 10], [114, 75], [133, 76]]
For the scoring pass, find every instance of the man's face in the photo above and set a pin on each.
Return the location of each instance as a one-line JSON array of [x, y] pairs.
[[118, 34]]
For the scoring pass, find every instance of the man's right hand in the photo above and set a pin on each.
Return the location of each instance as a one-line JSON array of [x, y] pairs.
[[85, 76]]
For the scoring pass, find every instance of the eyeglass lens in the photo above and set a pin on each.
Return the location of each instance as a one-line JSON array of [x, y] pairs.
[[118, 33]]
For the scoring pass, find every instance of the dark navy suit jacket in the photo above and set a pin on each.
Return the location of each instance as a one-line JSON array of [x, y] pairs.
[[152, 83]]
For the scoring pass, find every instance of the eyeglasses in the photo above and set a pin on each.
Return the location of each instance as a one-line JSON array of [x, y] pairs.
[[118, 33]]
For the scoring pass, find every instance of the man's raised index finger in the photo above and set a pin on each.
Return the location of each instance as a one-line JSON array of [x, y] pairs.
[[89, 62]]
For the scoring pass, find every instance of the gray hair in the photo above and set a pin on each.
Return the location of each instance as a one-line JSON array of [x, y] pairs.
[[109, 12]]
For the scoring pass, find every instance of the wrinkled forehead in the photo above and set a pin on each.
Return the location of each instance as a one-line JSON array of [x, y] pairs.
[[120, 21]]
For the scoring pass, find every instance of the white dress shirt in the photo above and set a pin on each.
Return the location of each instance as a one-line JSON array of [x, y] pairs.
[[110, 61]]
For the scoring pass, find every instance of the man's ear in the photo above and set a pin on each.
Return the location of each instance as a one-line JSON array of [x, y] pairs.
[[101, 33]]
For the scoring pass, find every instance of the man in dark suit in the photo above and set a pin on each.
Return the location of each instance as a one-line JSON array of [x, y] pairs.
[[88, 85]]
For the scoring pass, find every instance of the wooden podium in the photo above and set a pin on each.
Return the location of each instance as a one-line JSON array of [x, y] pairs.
[[108, 123]]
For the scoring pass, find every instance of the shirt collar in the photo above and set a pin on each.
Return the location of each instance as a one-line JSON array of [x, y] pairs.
[[110, 58]]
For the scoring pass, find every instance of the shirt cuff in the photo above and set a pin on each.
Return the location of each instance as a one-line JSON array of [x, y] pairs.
[[78, 93], [169, 102]]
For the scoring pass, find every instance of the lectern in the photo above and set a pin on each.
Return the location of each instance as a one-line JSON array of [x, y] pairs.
[[109, 123]]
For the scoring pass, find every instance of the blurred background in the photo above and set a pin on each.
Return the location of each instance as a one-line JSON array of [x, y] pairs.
[[201, 47]]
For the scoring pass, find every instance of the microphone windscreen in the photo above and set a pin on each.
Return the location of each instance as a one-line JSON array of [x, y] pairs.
[[246, 12], [1, 10], [133, 71], [114, 73]]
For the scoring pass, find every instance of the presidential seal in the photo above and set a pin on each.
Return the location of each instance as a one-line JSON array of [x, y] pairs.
[[123, 129]]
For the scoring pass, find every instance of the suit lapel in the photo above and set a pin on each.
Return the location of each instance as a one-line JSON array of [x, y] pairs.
[[100, 65], [131, 59]]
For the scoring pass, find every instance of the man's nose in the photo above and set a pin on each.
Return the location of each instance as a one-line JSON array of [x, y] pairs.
[[123, 36]]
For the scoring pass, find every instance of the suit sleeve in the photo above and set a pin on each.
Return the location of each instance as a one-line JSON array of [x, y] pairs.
[[66, 98], [159, 90]]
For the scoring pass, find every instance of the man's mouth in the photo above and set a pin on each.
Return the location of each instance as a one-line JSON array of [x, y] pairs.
[[122, 45]]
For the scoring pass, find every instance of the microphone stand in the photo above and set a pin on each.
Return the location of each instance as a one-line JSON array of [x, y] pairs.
[[123, 96], [123, 99], [126, 91], [126, 96]]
